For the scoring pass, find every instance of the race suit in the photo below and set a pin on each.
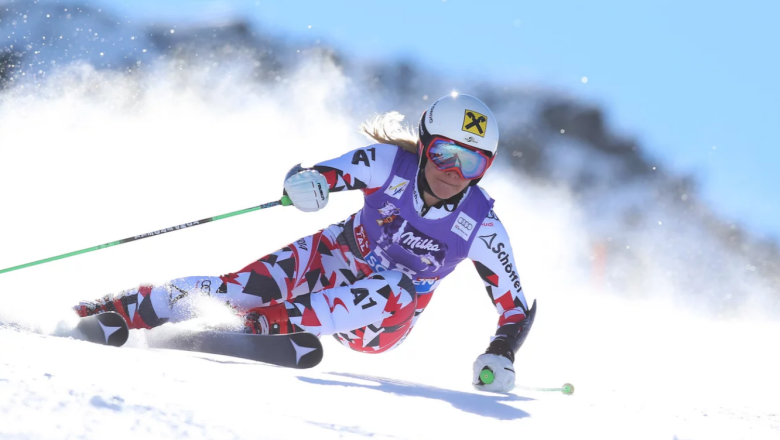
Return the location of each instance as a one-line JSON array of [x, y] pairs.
[[367, 279]]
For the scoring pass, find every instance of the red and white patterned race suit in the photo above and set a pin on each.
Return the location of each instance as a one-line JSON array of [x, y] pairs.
[[323, 287], [326, 289]]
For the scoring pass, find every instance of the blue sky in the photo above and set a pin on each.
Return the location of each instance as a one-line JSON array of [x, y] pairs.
[[695, 81]]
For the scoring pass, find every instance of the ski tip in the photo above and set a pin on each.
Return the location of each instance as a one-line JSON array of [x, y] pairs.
[[107, 328], [308, 350]]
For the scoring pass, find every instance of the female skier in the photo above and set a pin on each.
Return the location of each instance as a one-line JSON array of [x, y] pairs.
[[368, 278]]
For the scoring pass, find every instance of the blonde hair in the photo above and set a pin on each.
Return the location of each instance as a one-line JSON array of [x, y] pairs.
[[388, 128]]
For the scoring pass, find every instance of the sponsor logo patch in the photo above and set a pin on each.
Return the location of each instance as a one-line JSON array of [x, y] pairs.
[[475, 123], [464, 226], [425, 285], [397, 187], [362, 240], [503, 258], [416, 250]]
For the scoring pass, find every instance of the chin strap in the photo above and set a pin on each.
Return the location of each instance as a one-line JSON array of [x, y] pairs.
[[449, 205]]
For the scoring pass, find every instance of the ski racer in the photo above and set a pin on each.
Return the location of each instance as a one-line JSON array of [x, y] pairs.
[[367, 279]]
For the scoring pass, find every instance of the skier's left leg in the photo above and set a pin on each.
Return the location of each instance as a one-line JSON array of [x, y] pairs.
[[313, 263], [149, 306]]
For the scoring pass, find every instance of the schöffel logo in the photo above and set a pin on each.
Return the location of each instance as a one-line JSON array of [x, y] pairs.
[[463, 226], [397, 187]]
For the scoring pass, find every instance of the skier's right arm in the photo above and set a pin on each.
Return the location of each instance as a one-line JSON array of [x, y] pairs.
[[365, 169]]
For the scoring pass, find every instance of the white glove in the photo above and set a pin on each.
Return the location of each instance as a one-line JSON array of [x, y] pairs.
[[503, 372], [308, 190]]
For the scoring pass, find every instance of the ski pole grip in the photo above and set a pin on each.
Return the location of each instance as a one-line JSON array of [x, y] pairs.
[[486, 376]]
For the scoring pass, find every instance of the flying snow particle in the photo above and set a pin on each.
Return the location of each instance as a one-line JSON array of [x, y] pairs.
[[563, 131], [659, 223], [172, 30], [309, 26], [425, 97], [584, 80]]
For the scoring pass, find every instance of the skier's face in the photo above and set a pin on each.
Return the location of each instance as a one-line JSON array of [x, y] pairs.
[[444, 184]]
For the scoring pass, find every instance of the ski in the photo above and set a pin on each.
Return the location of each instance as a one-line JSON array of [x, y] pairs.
[[296, 350], [106, 328]]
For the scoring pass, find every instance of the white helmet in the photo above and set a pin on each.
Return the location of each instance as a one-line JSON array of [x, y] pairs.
[[461, 118]]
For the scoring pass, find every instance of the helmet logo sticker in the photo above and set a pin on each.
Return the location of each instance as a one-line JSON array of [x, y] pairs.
[[475, 123]]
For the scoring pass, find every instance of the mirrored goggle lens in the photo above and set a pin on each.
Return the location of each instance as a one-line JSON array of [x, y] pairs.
[[446, 155]]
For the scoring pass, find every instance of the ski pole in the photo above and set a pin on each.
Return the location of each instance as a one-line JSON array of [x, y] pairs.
[[285, 201], [487, 377], [567, 388]]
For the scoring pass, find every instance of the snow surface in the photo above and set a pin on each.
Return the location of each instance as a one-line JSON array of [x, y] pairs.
[[99, 156]]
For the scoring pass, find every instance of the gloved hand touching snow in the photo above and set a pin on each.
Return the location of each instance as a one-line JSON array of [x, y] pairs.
[[503, 373], [307, 189]]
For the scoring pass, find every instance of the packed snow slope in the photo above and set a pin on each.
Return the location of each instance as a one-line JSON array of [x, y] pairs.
[[91, 154]]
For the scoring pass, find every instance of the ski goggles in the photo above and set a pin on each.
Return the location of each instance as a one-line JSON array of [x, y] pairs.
[[468, 162]]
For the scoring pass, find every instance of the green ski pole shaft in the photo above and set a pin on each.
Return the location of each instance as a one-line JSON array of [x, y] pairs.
[[285, 201]]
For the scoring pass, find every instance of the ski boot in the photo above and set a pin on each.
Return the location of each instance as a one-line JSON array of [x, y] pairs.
[[101, 305], [270, 320]]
